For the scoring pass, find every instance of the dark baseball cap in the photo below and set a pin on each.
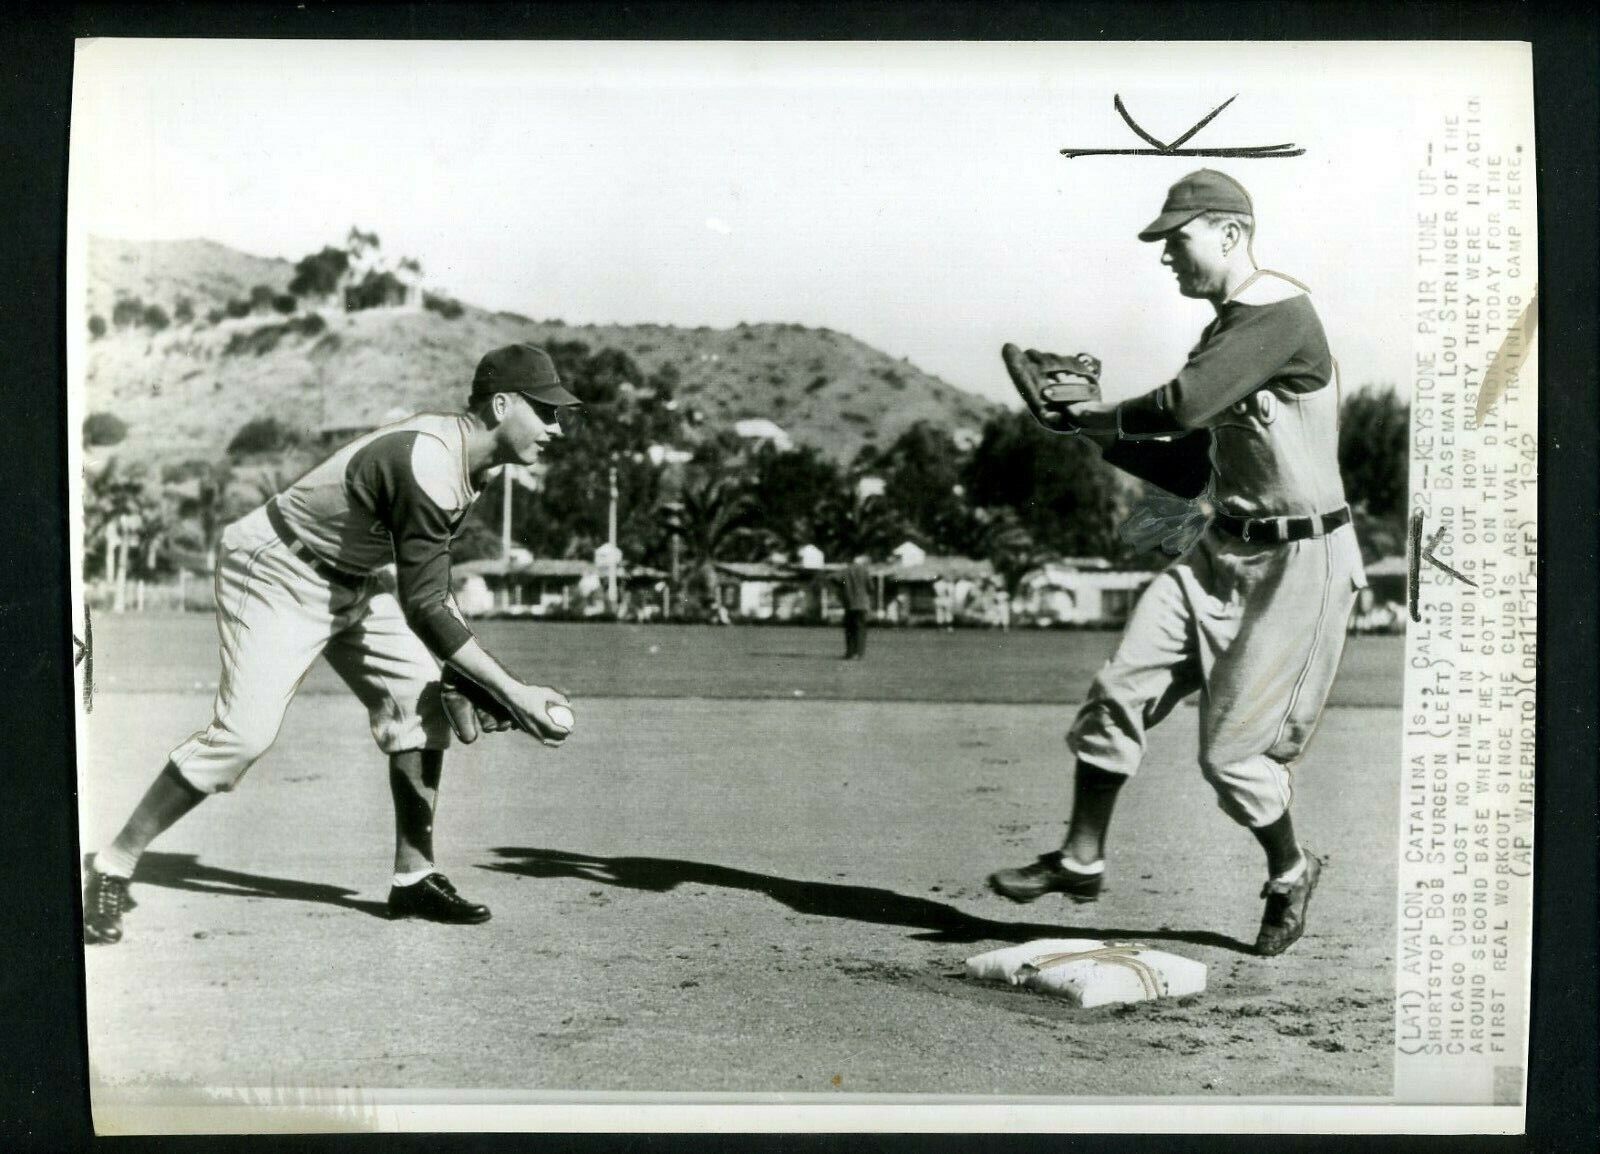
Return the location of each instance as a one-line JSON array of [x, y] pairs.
[[520, 369], [1205, 191]]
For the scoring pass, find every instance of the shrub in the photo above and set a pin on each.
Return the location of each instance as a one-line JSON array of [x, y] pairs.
[[444, 306], [262, 435], [238, 308], [376, 290], [127, 311], [309, 325], [183, 310], [818, 383], [284, 303], [103, 429], [318, 275], [97, 326], [155, 318], [261, 296], [215, 315]]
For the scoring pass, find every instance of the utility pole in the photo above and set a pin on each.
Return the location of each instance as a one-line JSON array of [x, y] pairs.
[[612, 532]]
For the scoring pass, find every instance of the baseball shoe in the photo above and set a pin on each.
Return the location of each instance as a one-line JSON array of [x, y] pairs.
[[1049, 874], [105, 898], [1284, 919], [436, 900]]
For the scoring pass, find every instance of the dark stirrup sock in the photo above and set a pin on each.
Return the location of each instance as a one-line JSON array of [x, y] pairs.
[[1094, 796], [169, 797], [1283, 850]]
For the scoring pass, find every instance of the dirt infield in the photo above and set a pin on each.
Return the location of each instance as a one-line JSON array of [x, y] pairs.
[[722, 885]]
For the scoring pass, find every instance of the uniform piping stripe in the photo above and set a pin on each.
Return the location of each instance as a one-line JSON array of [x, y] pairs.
[[1316, 637]]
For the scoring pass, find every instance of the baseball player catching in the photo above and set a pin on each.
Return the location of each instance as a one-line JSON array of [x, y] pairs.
[[1252, 615], [352, 562]]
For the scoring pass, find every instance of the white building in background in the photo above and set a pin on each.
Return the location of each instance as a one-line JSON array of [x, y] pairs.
[[908, 554], [1081, 592], [760, 431], [870, 487], [666, 455]]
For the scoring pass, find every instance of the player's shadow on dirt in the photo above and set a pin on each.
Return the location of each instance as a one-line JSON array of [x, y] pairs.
[[824, 899], [184, 871]]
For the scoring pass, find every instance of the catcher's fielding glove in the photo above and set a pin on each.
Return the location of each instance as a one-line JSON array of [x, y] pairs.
[[471, 708], [1049, 382]]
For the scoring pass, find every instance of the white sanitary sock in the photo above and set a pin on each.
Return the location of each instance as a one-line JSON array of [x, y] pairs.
[[412, 878]]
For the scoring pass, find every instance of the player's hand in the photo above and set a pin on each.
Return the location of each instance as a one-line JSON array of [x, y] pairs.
[[530, 706], [1094, 416]]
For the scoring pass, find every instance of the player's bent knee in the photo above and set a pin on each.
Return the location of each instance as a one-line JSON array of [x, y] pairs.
[[1253, 792]]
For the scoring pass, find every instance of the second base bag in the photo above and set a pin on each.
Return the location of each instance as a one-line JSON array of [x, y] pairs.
[[1091, 973]]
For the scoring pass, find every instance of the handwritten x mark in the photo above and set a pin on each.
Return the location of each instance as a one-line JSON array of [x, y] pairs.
[[1427, 555], [1175, 147], [1419, 553]]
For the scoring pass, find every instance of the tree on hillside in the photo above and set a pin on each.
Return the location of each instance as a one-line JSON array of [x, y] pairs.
[[128, 312], [262, 435], [375, 290], [1068, 500], [1374, 449], [318, 274], [101, 429]]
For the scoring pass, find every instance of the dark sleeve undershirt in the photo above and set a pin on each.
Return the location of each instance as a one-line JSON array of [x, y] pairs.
[[381, 480], [1243, 349]]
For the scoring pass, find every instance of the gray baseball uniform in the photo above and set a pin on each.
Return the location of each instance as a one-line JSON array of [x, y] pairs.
[[352, 561], [1253, 621]]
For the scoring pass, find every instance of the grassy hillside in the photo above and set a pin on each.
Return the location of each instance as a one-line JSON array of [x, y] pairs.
[[184, 391], [161, 271]]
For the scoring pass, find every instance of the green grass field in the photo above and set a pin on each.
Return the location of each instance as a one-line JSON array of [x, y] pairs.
[[753, 869]]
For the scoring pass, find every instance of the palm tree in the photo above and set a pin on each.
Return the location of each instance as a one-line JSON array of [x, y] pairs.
[[851, 525], [713, 517]]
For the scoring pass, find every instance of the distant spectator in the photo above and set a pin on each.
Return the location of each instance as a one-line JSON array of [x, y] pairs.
[[944, 598], [855, 589]]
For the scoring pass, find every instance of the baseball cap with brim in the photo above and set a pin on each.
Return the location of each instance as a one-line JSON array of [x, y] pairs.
[[521, 369], [1204, 191]]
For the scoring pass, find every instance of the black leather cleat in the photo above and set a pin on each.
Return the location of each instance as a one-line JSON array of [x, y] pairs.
[[1049, 874], [435, 899], [105, 898], [1284, 919]]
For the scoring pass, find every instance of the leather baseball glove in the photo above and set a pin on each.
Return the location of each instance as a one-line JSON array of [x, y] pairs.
[[1049, 382], [471, 708]]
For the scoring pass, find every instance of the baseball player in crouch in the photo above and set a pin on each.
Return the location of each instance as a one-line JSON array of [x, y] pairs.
[[1253, 614], [352, 561]]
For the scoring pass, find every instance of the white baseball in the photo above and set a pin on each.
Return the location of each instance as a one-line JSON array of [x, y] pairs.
[[560, 715]]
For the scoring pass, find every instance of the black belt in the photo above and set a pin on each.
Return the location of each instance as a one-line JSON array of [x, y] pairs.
[[1277, 530], [329, 573]]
